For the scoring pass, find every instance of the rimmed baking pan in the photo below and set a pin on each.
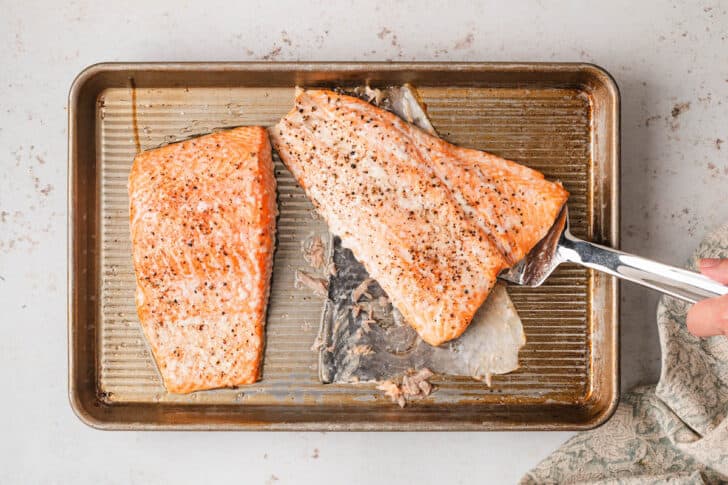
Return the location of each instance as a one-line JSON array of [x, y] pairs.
[[562, 119]]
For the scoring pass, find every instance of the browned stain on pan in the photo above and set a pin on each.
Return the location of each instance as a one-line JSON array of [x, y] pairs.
[[134, 118]]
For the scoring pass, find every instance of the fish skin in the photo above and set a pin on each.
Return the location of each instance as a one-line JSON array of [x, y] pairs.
[[202, 219]]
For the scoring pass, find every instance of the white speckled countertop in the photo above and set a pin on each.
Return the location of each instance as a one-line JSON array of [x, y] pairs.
[[671, 63]]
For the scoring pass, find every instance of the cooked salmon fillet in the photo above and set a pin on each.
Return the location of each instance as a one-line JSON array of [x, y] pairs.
[[202, 218], [513, 204], [407, 205]]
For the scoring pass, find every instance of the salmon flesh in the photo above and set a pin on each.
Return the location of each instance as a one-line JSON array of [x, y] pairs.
[[202, 216], [432, 223]]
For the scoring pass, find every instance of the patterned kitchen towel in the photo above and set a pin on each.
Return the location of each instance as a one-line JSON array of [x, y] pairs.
[[675, 432]]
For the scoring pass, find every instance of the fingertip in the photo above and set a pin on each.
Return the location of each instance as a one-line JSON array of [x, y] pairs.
[[708, 317], [693, 319], [714, 268], [707, 263]]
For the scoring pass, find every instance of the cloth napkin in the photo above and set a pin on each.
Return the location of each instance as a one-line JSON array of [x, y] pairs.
[[674, 432]]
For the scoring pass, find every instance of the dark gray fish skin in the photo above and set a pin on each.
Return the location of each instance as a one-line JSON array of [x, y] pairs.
[[396, 346]]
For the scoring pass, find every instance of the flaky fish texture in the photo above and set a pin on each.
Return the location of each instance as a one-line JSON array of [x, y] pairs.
[[202, 216], [432, 223]]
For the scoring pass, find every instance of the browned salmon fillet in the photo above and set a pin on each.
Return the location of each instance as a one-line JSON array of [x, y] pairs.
[[511, 203], [202, 229], [408, 206]]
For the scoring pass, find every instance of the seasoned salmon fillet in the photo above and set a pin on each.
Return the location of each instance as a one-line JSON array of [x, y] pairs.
[[513, 204], [406, 203], [202, 216]]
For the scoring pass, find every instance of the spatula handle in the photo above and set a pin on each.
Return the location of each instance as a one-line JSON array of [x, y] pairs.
[[672, 281]]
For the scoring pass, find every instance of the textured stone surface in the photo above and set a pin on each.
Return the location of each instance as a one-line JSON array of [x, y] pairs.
[[668, 59]]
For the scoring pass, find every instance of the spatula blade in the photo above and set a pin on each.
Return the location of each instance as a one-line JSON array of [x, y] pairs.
[[543, 259]]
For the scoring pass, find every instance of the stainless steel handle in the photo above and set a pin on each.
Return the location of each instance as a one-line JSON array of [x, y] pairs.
[[676, 282]]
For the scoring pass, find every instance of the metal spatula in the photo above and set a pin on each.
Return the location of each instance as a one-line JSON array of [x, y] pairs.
[[560, 246]]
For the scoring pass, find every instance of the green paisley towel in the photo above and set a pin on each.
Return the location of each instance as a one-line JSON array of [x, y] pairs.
[[674, 432]]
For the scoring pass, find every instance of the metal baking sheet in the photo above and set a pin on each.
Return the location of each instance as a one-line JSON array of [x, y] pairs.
[[562, 119]]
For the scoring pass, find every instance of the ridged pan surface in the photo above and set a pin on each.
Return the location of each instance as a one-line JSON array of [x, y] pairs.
[[550, 129]]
